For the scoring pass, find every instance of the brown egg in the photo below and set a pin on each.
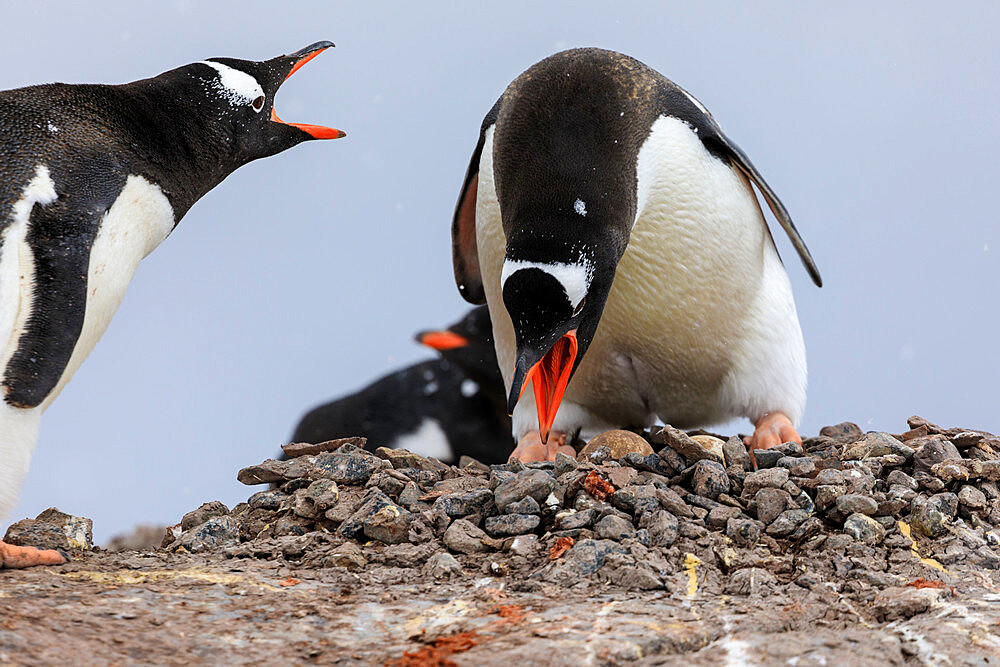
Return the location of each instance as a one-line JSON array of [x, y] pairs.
[[619, 442]]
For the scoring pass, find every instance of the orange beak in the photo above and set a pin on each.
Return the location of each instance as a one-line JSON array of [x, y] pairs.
[[442, 340], [314, 131], [549, 378]]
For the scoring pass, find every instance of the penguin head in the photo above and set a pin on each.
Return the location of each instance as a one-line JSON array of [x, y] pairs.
[[555, 293], [468, 344], [237, 99]]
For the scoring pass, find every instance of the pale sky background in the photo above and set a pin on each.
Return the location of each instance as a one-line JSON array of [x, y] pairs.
[[304, 276]]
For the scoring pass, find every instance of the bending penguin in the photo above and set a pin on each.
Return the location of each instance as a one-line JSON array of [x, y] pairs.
[[612, 229], [446, 408], [92, 179]]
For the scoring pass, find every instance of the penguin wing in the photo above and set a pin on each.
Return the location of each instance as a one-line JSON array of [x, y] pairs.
[[464, 251], [59, 239], [738, 158]]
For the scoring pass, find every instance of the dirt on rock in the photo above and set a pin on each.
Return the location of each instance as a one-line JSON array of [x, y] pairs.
[[852, 549]]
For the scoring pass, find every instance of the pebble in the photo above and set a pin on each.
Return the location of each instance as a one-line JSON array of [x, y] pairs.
[[709, 479], [864, 529], [662, 526], [505, 525], [770, 478], [442, 565], [767, 458], [851, 503], [688, 447], [465, 537], [786, 522], [971, 497], [618, 442], [535, 483], [735, 453], [614, 527]]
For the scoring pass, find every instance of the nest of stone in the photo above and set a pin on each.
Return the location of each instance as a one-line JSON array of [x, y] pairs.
[[631, 512]]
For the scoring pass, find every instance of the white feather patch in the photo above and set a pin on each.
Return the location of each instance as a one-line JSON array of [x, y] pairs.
[[233, 85], [428, 440], [575, 278]]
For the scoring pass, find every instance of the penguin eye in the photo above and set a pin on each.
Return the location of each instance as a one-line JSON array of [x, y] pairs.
[[579, 307], [258, 103]]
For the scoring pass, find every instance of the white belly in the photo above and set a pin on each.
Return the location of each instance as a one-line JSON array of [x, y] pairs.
[[699, 326], [139, 220]]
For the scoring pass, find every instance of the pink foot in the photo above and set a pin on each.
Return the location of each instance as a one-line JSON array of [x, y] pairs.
[[531, 448], [771, 430], [18, 557]]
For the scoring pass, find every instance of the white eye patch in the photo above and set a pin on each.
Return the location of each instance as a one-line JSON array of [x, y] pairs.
[[233, 85], [575, 278]]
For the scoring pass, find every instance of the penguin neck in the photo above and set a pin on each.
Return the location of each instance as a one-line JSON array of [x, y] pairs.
[[187, 151]]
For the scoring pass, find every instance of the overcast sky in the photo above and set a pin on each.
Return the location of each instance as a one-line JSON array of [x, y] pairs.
[[303, 276]]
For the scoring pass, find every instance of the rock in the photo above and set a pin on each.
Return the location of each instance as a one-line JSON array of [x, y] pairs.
[[219, 531], [735, 453], [770, 503], [770, 478], [464, 537], [389, 524], [442, 565], [851, 503], [929, 520], [744, 532], [463, 504], [720, 516], [268, 472], [688, 447], [712, 444], [662, 526], [296, 449], [347, 555], [901, 478], [864, 529], [316, 499], [947, 503], [527, 505], [651, 463], [709, 478], [827, 494], [586, 558], [563, 464], [525, 546], [966, 470], [797, 466], [32, 533], [574, 520], [873, 445], [618, 442], [750, 581], [621, 477], [271, 499], [354, 525], [511, 524], [614, 528], [353, 468], [842, 431], [786, 522], [971, 498], [934, 451], [535, 483], [901, 603], [205, 512], [767, 458], [928, 482], [79, 531]]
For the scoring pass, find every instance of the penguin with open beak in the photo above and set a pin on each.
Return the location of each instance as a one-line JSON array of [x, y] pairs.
[[612, 229]]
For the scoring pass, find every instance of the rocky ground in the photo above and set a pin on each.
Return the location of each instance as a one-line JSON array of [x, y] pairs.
[[664, 548]]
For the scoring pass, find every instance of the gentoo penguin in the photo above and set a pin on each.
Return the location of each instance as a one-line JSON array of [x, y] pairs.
[[92, 178], [447, 407], [611, 227]]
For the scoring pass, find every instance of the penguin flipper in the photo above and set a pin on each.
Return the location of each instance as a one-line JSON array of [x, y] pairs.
[[59, 238], [743, 163], [464, 251]]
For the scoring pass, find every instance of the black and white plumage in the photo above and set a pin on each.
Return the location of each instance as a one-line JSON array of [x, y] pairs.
[[446, 407], [92, 179], [612, 229]]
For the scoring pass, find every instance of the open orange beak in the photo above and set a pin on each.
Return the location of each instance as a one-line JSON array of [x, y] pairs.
[[314, 131], [442, 340], [549, 377]]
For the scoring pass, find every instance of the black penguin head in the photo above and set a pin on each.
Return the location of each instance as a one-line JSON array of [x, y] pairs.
[[468, 344], [239, 96], [555, 295]]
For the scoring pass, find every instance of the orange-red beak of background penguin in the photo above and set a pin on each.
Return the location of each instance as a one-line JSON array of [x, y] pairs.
[[442, 340], [549, 377], [301, 58]]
